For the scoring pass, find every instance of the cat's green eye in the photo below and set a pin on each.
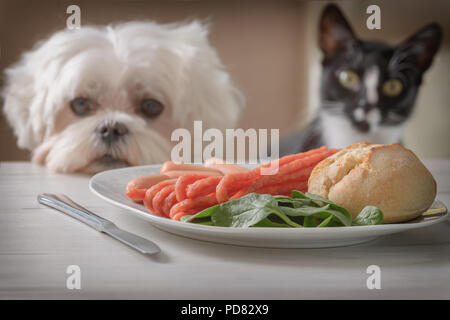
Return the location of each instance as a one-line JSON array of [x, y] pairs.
[[349, 79], [392, 87]]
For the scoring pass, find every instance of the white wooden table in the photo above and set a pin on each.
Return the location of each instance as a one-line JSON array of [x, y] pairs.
[[37, 244]]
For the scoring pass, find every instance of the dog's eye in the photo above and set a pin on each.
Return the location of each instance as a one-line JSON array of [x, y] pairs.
[[151, 108], [81, 106]]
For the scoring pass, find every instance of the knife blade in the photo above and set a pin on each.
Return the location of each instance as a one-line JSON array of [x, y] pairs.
[[66, 205]]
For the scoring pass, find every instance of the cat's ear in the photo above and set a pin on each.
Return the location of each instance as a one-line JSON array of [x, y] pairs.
[[420, 48], [336, 33]]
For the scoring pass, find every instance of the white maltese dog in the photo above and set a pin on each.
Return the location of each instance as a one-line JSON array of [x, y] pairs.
[[98, 98]]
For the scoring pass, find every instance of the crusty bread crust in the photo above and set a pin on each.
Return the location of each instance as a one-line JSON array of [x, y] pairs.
[[389, 177]]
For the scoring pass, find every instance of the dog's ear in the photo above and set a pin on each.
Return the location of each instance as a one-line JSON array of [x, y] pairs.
[[24, 97], [209, 93], [18, 97], [30, 105]]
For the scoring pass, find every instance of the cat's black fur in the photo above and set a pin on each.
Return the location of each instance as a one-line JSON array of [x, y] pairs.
[[343, 51]]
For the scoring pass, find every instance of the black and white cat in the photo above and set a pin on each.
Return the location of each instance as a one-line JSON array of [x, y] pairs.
[[368, 88]]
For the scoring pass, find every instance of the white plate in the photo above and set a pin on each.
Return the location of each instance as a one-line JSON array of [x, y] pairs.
[[110, 185]]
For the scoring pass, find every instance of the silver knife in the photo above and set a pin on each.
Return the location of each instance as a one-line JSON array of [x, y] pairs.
[[64, 204]]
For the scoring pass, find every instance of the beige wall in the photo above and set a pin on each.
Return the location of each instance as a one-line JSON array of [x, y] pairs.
[[268, 46]]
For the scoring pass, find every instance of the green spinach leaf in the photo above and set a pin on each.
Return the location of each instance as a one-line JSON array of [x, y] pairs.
[[369, 215], [248, 211], [265, 210]]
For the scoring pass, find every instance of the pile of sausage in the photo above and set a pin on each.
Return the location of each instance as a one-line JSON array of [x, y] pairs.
[[185, 189]]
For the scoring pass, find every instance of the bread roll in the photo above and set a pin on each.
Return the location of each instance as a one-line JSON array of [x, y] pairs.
[[389, 177]]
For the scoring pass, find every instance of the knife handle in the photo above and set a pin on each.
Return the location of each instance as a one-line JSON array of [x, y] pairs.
[[69, 207]]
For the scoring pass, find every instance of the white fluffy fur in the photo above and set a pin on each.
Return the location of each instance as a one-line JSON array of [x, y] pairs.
[[116, 66]]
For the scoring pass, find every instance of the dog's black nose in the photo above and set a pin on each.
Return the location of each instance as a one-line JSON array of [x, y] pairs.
[[111, 132]]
